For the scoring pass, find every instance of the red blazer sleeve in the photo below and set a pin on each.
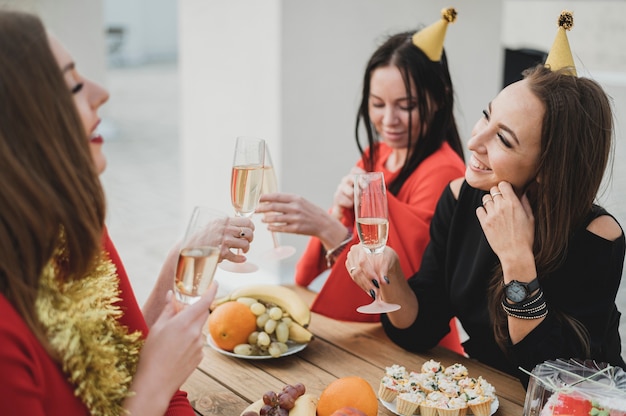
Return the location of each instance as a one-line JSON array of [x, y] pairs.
[[133, 319]]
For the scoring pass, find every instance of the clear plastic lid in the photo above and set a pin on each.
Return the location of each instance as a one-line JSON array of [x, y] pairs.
[[568, 384]]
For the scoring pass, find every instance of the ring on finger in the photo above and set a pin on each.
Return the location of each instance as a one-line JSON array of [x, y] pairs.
[[495, 194], [353, 268], [242, 233], [487, 200]]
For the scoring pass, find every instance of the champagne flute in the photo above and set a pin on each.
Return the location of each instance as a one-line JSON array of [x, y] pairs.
[[372, 224], [245, 187], [199, 254], [270, 185]]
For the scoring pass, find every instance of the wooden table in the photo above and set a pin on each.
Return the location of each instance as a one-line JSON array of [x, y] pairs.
[[224, 385]]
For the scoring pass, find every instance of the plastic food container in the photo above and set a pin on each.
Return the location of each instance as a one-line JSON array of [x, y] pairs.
[[576, 388]]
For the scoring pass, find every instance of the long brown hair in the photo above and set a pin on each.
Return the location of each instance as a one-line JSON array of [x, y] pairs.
[[576, 144], [432, 82], [49, 181]]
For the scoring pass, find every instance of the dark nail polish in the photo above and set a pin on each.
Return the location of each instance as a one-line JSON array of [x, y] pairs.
[[375, 283], [373, 294], [386, 279]]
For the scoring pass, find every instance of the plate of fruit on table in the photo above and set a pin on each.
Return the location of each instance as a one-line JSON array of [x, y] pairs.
[[259, 322]]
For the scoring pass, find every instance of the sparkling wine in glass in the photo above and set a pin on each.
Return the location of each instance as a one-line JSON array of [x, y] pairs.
[[372, 224], [199, 254], [245, 187], [270, 185]]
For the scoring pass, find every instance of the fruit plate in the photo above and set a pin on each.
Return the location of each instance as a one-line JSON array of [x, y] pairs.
[[292, 349], [392, 406]]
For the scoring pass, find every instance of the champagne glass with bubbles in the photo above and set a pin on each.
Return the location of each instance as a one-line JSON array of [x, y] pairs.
[[199, 254], [270, 185], [245, 187], [372, 223]]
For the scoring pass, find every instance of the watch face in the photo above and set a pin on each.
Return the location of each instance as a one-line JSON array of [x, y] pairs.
[[515, 292]]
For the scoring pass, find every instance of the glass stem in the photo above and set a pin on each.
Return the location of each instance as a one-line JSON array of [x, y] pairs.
[[275, 239]]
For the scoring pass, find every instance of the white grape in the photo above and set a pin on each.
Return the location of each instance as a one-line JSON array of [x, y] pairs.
[[252, 338], [261, 320], [274, 350], [257, 308], [263, 340], [283, 347], [287, 320], [282, 332], [275, 313], [243, 349], [270, 326]]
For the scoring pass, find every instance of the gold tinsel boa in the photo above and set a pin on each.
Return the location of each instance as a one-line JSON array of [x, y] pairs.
[[96, 352]]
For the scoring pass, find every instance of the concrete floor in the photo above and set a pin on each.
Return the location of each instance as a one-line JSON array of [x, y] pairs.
[[142, 178]]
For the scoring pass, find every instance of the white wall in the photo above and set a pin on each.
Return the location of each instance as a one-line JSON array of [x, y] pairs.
[[79, 26], [151, 29]]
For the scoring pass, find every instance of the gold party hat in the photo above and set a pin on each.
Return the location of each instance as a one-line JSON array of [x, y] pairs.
[[560, 55], [430, 39]]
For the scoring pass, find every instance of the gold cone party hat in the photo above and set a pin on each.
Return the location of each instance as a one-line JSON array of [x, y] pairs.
[[430, 39], [560, 55]]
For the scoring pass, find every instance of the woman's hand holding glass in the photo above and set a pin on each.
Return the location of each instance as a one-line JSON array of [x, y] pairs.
[[245, 186], [372, 224], [200, 251], [270, 186]]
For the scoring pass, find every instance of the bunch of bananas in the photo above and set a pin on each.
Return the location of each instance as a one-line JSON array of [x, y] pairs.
[[282, 318]]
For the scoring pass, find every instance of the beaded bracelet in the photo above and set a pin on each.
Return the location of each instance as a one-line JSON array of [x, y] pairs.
[[533, 308], [333, 253]]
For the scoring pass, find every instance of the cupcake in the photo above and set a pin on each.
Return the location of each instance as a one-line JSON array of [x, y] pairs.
[[408, 402], [480, 406], [432, 367], [388, 389], [449, 387], [460, 404], [456, 371]]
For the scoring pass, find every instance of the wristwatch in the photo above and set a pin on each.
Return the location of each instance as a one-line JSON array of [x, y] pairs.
[[517, 292]]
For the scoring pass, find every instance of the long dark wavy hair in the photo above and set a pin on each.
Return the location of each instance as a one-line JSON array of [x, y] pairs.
[[576, 145], [49, 182], [432, 83]]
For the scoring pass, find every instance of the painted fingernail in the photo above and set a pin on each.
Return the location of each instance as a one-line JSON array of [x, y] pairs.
[[386, 279], [373, 294], [375, 283]]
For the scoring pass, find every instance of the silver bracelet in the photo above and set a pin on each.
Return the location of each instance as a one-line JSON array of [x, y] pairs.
[[332, 254]]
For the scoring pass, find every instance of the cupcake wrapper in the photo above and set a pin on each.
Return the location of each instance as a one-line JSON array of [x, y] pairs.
[[405, 407], [481, 409], [386, 394], [428, 411], [448, 412]]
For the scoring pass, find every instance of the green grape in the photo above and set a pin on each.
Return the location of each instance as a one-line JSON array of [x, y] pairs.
[[275, 313], [257, 308], [282, 332], [270, 326]]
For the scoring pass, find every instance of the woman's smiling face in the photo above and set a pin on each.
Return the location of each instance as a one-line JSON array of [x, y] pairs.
[[506, 143], [88, 97], [390, 109]]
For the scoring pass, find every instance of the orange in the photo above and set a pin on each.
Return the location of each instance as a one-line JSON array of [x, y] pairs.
[[350, 391], [230, 324]]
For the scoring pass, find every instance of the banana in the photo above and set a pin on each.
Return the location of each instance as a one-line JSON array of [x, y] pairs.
[[305, 405], [299, 334], [281, 296]]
